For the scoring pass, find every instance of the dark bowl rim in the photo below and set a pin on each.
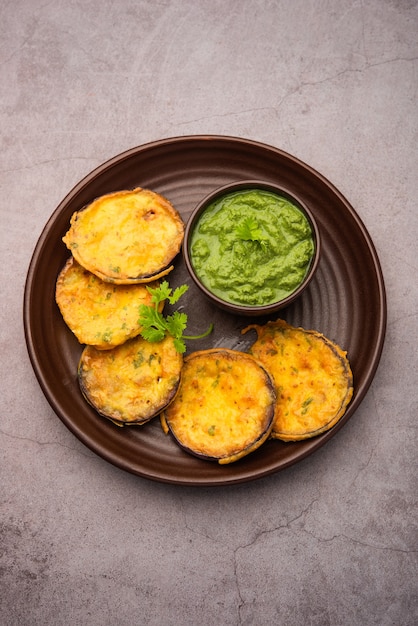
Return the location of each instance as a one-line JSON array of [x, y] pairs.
[[243, 184]]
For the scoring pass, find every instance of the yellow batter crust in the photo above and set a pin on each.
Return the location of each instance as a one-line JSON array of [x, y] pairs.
[[126, 236], [99, 314], [224, 407], [132, 383], [312, 376]]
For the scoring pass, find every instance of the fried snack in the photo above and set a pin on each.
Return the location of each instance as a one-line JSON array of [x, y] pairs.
[[126, 237], [98, 313], [224, 407], [312, 376], [132, 383]]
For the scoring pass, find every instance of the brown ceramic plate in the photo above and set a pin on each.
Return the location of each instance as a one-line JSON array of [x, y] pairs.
[[345, 300]]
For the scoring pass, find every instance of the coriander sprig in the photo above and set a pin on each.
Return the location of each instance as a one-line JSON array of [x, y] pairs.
[[249, 230], [155, 325]]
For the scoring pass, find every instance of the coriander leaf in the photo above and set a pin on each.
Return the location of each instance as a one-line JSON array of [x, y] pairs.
[[149, 316], [160, 293], [154, 335], [249, 230], [180, 346], [176, 324], [155, 326], [177, 293]]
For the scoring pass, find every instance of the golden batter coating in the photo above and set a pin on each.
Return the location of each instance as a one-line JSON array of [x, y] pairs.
[[127, 236], [99, 314], [224, 407], [132, 383], [312, 376]]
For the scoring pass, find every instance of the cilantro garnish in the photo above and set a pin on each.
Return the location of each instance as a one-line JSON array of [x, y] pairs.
[[249, 230], [155, 325]]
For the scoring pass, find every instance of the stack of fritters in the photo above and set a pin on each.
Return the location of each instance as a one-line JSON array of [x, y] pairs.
[[121, 244]]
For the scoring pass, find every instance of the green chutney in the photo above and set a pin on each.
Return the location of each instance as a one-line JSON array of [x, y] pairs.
[[252, 247]]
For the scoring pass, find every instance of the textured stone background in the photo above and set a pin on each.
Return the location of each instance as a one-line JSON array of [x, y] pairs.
[[330, 541]]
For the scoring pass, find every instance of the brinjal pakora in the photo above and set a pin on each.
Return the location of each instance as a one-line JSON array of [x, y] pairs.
[[312, 376]]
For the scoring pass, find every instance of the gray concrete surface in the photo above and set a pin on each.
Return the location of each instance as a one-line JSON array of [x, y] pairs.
[[329, 541]]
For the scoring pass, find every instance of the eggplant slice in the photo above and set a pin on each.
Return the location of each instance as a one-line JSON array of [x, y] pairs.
[[224, 407], [126, 237], [132, 383], [312, 376], [98, 313]]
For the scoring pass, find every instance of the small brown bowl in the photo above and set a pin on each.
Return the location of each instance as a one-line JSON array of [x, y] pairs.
[[238, 308]]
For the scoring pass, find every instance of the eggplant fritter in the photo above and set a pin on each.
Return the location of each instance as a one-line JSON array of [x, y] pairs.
[[132, 383], [98, 313], [312, 376], [127, 236], [224, 407]]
